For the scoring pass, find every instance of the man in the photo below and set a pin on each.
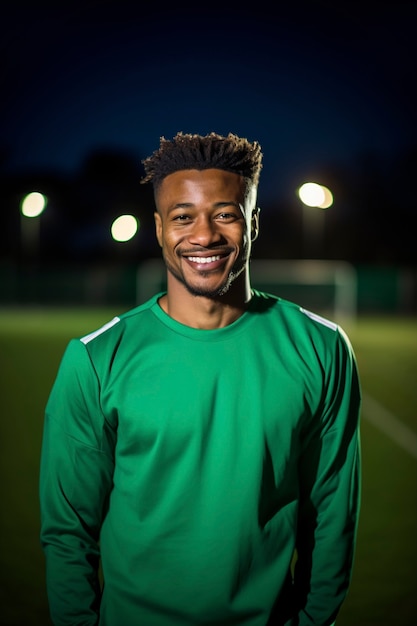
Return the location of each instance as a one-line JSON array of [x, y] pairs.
[[201, 444]]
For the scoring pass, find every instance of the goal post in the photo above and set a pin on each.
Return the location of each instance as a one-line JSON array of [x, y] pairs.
[[328, 288], [325, 287]]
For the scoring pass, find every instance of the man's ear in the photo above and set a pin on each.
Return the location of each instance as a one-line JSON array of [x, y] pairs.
[[255, 223], [158, 227]]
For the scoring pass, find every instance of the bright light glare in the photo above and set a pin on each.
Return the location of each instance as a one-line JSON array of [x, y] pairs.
[[315, 195], [33, 204], [124, 228], [328, 198], [311, 194]]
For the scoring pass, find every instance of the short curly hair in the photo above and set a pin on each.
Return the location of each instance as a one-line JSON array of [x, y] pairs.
[[190, 151]]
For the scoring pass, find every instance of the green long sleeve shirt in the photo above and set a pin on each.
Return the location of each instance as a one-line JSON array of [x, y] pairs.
[[194, 464]]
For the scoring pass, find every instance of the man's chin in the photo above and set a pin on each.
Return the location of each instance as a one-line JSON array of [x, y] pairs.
[[206, 292], [206, 287]]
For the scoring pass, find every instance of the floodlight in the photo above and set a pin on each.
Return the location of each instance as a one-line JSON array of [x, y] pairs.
[[33, 204], [124, 228]]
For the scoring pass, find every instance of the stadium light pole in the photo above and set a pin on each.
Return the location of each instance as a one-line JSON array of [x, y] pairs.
[[32, 206], [315, 198]]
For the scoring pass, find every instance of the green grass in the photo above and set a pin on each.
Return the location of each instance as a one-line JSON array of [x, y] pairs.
[[383, 591], [384, 584], [31, 346]]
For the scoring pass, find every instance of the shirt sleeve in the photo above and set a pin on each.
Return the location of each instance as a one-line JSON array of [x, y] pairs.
[[75, 483], [330, 493]]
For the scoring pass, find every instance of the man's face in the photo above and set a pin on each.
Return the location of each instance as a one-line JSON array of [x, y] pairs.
[[204, 225]]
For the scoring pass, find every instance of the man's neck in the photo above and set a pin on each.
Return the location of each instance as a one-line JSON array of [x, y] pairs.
[[203, 312]]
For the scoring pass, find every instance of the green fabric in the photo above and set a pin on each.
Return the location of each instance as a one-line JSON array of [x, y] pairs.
[[195, 462]]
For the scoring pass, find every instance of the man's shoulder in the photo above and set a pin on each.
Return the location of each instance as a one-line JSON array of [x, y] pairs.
[[112, 329], [299, 325], [290, 312]]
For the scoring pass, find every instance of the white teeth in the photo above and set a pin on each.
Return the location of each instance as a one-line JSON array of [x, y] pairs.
[[203, 259]]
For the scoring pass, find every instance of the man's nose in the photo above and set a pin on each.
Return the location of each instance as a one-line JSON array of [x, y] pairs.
[[204, 232]]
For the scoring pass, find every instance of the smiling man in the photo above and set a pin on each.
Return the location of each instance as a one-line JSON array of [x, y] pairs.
[[205, 223], [201, 444]]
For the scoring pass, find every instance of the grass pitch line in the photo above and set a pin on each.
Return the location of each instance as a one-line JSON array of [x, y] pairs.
[[388, 423]]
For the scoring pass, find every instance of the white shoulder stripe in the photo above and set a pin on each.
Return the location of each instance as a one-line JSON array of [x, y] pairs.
[[318, 318], [98, 332]]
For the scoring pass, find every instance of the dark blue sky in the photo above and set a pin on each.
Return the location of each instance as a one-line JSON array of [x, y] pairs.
[[316, 83]]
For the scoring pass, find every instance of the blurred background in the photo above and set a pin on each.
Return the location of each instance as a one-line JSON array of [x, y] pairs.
[[329, 90]]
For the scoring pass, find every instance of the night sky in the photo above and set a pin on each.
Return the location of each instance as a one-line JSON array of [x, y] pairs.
[[323, 86]]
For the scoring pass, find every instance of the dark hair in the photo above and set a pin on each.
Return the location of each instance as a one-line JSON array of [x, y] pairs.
[[185, 151]]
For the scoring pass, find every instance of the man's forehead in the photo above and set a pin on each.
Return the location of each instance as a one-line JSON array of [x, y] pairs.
[[201, 175], [207, 182], [189, 186]]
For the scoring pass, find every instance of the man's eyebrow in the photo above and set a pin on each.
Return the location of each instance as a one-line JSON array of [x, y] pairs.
[[217, 205], [227, 203], [180, 205]]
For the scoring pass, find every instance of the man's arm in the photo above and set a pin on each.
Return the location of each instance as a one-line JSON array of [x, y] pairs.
[[330, 494], [75, 482]]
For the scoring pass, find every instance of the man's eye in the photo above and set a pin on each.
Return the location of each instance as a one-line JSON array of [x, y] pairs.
[[181, 218], [227, 216]]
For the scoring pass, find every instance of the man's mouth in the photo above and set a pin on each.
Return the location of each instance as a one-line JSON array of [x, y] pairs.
[[204, 259]]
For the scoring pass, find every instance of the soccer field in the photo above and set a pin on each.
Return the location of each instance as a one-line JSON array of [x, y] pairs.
[[383, 591]]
